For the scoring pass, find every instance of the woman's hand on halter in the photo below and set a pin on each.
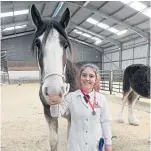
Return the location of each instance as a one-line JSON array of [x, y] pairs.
[[54, 99], [108, 147]]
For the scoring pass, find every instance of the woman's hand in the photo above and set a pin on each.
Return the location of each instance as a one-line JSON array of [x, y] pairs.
[[108, 147], [54, 99]]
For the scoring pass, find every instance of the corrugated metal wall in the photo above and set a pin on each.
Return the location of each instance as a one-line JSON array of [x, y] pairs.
[[133, 52], [19, 50], [86, 53]]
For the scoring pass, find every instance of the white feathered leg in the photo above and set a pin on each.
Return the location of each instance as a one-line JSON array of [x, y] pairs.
[[120, 113], [131, 116]]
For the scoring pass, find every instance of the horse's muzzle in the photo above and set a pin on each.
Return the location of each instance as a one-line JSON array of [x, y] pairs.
[[55, 98], [64, 90]]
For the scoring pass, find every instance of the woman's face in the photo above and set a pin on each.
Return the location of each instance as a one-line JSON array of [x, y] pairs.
[[88, 78]]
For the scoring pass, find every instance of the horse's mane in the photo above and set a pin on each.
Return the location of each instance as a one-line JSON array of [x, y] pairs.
[[46, 26]]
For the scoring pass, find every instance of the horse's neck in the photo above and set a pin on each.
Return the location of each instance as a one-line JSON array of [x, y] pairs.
[[71, 71]]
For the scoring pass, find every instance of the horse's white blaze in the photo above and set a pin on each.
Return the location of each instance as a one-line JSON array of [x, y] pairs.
[[52, 61], [53, 54]]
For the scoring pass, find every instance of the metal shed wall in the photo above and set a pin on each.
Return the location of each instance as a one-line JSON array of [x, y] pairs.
[[133, 52], [19, 52], [86, 53]]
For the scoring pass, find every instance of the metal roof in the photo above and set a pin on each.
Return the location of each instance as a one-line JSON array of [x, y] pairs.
[[115, 14]]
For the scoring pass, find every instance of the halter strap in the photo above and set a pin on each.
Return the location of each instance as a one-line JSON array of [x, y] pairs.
[[58, 74], [52, 74], [66, 86]]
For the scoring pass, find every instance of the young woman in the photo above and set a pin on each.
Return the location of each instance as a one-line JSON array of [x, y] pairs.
[[89, 113]]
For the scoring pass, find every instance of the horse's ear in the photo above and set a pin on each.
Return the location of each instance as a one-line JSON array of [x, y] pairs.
[[36, 16], [65, 18]]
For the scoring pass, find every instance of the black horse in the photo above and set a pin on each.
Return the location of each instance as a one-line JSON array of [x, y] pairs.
[[136, 83]]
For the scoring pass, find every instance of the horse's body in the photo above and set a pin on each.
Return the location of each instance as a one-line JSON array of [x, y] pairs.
[[53, 121], [57, 71], [136, 83], [50, 44]]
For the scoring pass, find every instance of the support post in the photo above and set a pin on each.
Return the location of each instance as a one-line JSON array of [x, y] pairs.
[[111, 82], [148, 53], [120, 57]]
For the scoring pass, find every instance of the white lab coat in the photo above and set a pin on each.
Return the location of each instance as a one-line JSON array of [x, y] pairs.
[[86, 129]]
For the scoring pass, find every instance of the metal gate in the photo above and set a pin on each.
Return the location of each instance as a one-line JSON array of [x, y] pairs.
[[111, 80], [4, 68]]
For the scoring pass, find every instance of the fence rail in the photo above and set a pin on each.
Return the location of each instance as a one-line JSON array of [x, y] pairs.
[[4, 78], [111, 80]]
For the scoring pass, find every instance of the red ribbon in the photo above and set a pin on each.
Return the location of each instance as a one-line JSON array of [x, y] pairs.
[[92, 105]]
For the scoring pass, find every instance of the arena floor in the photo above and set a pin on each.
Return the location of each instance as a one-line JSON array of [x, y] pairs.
[[23, 126]]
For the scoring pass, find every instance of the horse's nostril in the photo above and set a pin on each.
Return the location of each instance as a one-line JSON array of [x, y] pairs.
[[60, 94], [46, 90], [62, 90]]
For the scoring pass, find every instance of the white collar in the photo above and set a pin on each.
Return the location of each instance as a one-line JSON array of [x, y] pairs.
[[91, 94]]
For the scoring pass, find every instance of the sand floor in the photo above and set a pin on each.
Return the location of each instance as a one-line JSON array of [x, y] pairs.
[[23, 126]]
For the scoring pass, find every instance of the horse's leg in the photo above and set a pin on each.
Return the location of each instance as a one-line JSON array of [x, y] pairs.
[[120, 114], [133, 97], [69, 123], [67, 115], [149, 139], [53, 132]]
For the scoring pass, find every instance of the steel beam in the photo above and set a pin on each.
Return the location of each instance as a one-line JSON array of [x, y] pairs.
[[43, 8], [148, 54], [32, 32], [58, 8], [17, 35], [135, 29], [115, 42], [90, 45]]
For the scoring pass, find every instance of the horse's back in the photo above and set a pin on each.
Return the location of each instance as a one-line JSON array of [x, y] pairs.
[[130, 70], [137, 77]]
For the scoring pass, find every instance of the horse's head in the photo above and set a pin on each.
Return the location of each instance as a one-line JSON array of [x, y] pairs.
[[50, 44]]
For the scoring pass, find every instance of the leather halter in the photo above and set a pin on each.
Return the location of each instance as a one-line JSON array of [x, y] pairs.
[[66, 86]]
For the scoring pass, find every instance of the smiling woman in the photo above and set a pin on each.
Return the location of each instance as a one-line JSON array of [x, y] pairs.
[[89, 120], [89, 73]]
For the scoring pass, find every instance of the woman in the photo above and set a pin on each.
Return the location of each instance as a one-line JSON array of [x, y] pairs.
[[89, 113]]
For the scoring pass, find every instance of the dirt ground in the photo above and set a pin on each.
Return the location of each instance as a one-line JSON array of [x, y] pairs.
[[23, 126]]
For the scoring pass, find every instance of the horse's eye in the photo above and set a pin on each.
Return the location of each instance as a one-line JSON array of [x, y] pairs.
[[37, 43], [66, 46]]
